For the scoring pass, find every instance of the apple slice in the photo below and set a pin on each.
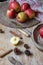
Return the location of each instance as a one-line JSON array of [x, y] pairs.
[[15, 40]]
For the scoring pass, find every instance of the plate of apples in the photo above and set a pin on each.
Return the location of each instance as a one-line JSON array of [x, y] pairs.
[[13, 14]]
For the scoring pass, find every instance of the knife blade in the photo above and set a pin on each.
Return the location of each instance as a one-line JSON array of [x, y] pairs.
[[14, 61]]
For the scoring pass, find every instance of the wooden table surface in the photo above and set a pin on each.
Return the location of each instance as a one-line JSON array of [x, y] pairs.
[[5, 45], [36, 59]]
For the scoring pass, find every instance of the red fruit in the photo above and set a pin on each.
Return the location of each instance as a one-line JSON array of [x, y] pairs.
[[30, 13], [15, 5], [11, 13], [41, 32], [25, 6]]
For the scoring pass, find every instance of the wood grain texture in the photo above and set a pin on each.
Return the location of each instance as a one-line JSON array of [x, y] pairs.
[[36, 59]]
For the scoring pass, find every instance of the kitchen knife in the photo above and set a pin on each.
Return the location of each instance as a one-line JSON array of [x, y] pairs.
[[14, 61]]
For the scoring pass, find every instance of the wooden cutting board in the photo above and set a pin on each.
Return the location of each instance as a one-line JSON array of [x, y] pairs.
[[8, 22]]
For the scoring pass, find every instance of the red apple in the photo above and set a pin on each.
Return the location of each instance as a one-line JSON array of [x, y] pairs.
[[11, 13], [15, 5], [25, 6], [41, 32], [21, 17], [30, 13]]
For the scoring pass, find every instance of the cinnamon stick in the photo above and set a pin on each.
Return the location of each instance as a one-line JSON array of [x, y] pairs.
[[23, 32], [15, 34], [6, 53]]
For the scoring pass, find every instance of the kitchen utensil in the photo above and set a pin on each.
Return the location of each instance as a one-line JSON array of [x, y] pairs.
[[14, 61]]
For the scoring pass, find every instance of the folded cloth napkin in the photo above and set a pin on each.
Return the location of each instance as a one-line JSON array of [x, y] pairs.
[[36, 6]]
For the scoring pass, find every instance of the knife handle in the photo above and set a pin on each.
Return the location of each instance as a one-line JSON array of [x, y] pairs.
[[14, 61]]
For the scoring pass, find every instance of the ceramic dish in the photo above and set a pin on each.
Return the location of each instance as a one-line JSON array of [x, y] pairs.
[[37, 38], [13, 23]]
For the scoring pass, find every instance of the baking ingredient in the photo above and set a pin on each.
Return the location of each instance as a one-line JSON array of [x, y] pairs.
[[15, 40], [11, 13], [6, 53], [30, 13], [27, 52], [1, 31], [41, 32], [15, 5], [17, 51], [25, 6], [23, 32], [26, 46], [14, 33], [21, 17]]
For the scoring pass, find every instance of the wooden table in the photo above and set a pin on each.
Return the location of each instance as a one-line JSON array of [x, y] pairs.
[[36, 59]]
